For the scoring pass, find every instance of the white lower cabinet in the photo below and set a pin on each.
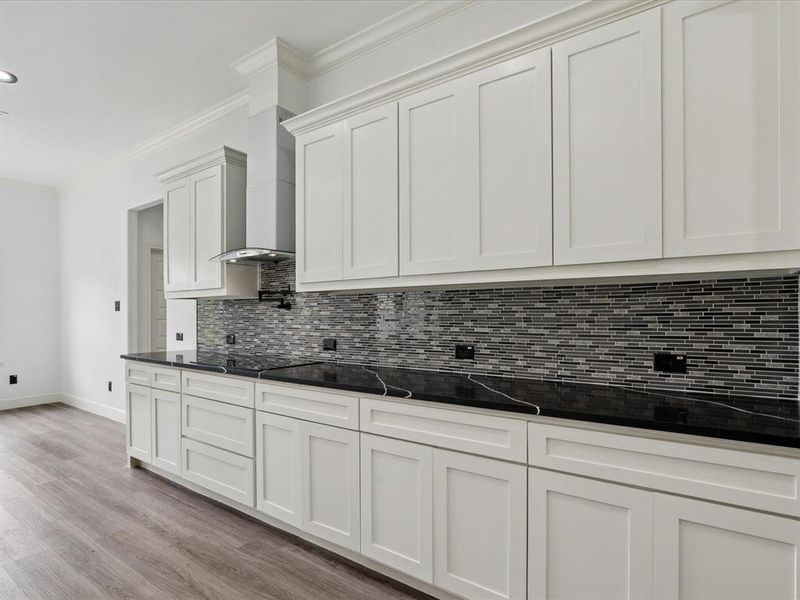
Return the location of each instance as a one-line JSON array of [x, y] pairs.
[[397, 504], [479, 526], [166, 430], [704, 551], [139, 426], [603, 529], [278, 467], [329, 488], [220, 471]]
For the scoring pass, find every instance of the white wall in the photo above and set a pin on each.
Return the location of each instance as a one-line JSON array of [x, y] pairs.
[[94, 265], [29, 284]]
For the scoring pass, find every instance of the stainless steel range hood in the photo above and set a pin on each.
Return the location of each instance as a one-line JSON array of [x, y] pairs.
[[269, 228]]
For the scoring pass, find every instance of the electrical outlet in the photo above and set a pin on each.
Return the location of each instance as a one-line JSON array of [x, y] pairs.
[[12, 380], [179, 337], [465, 352], [110, 386], [230, 339], [329, 344], [117, 306], [666, 362]]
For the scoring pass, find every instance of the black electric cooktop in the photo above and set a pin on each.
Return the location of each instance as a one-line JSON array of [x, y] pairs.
[[248, 365]]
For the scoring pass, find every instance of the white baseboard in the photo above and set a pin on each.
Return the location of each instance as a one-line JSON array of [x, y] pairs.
[[103, 410], [8, 403]]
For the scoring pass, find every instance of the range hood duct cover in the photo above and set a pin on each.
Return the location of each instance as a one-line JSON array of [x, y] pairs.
[[270, 216]]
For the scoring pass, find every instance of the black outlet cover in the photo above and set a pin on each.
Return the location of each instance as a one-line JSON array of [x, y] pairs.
[[666, 362], [110, 386], [465, 351], [12, 379], [329, 344], [116, 306], [179, 337], [230, 339]]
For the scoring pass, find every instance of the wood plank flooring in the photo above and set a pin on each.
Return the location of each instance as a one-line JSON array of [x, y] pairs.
[[76, 523]]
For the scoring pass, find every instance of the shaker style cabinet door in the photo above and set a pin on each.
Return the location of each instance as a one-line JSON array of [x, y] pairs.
[[588, 539], [139, 428], [480, 525], [329, 467], [731, 127], [509, 204], [370, 194], [319, 204], [278, 444], [166, 430], [178, 236], [607, 143], [397, 504], [704, 550], [434, 179], [207, 228]]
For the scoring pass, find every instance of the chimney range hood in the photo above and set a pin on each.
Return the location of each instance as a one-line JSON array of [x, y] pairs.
[[269, 224]]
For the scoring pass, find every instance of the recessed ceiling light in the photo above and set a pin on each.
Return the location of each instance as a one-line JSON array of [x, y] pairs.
[[6, 77]]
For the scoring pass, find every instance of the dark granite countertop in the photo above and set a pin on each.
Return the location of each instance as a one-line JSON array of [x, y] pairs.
[[761, 420]]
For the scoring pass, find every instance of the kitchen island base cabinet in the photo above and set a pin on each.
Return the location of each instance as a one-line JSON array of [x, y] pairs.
[[703, 550], [397, 504], [479, 531], [603, 529]]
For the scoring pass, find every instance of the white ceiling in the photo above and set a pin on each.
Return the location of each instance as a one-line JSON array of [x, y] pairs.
[[96, 78]]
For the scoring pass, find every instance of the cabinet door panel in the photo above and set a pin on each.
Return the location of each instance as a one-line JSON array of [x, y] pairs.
[[166, 430], [370, 194], [330, 484], [207, 233], [480, 517], [510, 223], [704, 550], [607, 143], [605, 528], [731, 127], [319, 205], [139, 422], [278, 446], [218, 424], [434, 184], [397, 504], [178, 237]]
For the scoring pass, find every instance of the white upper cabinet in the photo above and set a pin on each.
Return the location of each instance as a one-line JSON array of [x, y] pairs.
[[370, 194], [433, 179], [319, 204], [204, 215], [731, 127], [475, 171], [607, 143]]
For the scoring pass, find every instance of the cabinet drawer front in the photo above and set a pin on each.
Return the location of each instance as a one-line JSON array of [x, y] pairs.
[[168, 380], [743, 478], [321, 407], [487, 435], [215, 387], [139, 374], [218, 424], [223, 472]]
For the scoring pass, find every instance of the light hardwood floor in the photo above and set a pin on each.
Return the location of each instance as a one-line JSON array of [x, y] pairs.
[[76, 523]]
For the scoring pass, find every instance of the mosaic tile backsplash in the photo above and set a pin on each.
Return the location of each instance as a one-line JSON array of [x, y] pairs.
[[740, 335]]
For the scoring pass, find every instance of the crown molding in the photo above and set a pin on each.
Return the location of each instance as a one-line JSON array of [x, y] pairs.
[[417, 16], [273, 52], [539, 34], [229, 106], [218, 156]]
